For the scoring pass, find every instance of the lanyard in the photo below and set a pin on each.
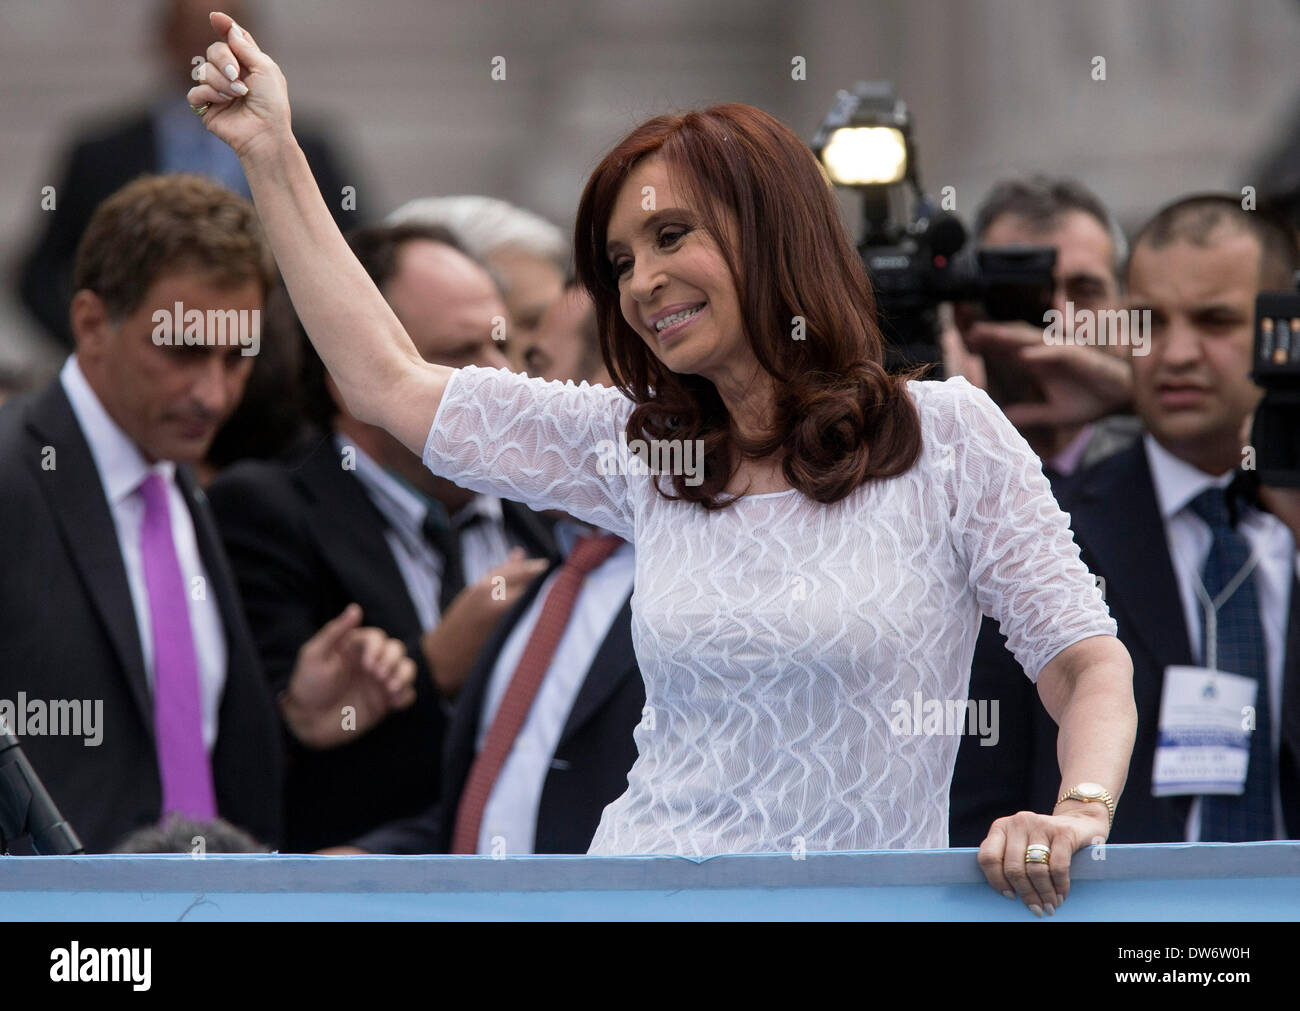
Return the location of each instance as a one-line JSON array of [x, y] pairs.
[[1211, 607]]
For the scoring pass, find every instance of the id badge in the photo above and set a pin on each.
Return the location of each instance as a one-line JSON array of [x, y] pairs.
[[1203, 744]]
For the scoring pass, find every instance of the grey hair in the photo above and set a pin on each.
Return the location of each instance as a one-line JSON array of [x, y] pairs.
[[176, 834], [486, 225], [1041, 200]]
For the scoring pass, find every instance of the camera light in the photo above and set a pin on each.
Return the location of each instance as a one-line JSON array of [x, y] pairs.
[[865, 155]]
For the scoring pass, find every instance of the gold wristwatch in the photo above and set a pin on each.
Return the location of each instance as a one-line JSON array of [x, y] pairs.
[[1091, 792]]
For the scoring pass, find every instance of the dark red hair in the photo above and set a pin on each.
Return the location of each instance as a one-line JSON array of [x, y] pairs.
[[840, 419]]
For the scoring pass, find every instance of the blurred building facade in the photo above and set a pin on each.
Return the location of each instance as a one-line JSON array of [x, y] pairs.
[[1195, 91]]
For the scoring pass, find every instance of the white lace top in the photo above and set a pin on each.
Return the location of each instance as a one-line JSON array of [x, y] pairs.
[[780, 639]]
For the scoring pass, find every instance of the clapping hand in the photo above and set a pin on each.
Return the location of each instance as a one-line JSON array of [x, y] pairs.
[[343, 667], [454, 643]]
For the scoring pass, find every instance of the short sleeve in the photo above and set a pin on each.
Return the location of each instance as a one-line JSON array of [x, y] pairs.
[[1023, 563], [545, 444]]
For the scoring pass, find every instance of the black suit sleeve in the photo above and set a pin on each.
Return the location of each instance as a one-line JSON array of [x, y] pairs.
[[407, 836], [1020, 772], [272, 559], [992, 781]]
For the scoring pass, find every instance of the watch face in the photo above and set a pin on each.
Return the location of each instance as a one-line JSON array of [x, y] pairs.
[[1090, 789]]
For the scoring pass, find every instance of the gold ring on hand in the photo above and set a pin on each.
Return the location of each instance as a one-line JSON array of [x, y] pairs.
[[1038, 853]]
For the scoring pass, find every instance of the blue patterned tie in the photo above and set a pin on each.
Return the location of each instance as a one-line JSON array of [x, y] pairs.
[[1248, 817]]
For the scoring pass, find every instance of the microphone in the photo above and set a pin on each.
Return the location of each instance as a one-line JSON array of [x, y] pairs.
[[26, 808]]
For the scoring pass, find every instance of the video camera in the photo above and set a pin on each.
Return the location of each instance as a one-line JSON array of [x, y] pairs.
[[1276, 430], [915, 253]]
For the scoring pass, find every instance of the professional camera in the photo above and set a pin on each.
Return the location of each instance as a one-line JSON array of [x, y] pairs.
[[1276, 431], [915, 253]]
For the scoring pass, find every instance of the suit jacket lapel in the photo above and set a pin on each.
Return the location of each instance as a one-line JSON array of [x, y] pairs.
[[77, 499], [240, 656], [1122, 534], [459, 751], [344, 517], [530, 530], [1125, 533], [614, 661]]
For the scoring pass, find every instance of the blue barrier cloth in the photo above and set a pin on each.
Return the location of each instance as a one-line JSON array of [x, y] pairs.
[[1175, 881]]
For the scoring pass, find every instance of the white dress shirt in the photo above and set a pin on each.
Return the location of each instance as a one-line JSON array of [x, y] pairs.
[[484, 543], [121, 470], [511, 810], [1177, 483], [418, 561]]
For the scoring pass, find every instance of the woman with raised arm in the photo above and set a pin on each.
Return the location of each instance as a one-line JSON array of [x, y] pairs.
[[822, 572]]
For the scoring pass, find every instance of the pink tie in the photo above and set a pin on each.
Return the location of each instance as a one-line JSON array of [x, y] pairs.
[[178, 717]]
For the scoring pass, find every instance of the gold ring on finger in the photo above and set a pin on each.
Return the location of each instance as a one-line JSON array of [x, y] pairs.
[[199, 110], [1037, 853]]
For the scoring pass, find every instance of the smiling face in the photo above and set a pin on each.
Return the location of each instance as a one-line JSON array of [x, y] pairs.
[[666, 264], [1193, 391]]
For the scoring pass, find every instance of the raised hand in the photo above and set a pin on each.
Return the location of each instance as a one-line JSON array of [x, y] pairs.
[[243, 94]]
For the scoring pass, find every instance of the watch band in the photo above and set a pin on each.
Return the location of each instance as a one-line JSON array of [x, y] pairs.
[[1093, 794]]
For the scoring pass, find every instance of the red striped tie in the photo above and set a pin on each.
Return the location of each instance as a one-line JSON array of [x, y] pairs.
[[588, 554]]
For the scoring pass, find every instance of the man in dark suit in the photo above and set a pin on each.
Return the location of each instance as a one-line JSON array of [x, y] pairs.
[[353, 516], [163, 138], [117, 595], [1057, 403], [542, 741], [1148, 522]]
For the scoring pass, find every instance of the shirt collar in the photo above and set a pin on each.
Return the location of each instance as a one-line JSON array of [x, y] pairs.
[[486, 506], [1066, 461], [406, 507], [399, 501], [568, 530], [567, 533], [1176, 481], [119, 461]]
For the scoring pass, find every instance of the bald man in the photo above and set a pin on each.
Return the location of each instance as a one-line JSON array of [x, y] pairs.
[[353, 515]]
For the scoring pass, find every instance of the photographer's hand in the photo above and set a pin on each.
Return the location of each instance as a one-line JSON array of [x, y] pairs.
[[1081, 384], [958, 359]]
